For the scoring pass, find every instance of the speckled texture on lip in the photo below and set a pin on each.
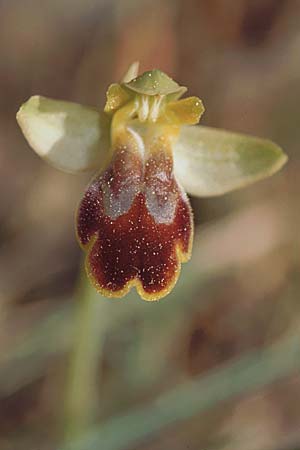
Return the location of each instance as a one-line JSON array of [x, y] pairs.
[[136, 225]]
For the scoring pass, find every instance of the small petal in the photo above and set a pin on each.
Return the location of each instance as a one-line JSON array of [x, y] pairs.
[[186, 111], [116, 97], [211, 162], [71, 137]]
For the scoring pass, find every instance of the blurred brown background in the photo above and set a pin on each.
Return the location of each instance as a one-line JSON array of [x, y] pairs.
[[240, 292]]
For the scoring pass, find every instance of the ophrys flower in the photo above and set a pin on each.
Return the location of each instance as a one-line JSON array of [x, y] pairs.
[[135, 221]]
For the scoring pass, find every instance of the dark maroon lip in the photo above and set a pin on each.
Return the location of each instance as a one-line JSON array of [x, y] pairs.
[[136, 224]]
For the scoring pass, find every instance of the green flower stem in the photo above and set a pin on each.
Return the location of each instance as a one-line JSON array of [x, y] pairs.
[[90, 324]]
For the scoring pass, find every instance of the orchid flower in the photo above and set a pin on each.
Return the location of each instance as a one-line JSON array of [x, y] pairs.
[[134, 221]]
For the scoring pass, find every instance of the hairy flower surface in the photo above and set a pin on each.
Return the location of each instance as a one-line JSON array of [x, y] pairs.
[[135, 221]]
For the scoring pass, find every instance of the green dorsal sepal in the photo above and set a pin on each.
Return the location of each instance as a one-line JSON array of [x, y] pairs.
[[154, 82]]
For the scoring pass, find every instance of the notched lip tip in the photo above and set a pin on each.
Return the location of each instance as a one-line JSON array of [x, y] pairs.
[[122, 293], [131, 284]]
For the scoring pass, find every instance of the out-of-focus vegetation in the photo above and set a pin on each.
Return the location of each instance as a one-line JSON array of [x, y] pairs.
[[216, 364]]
